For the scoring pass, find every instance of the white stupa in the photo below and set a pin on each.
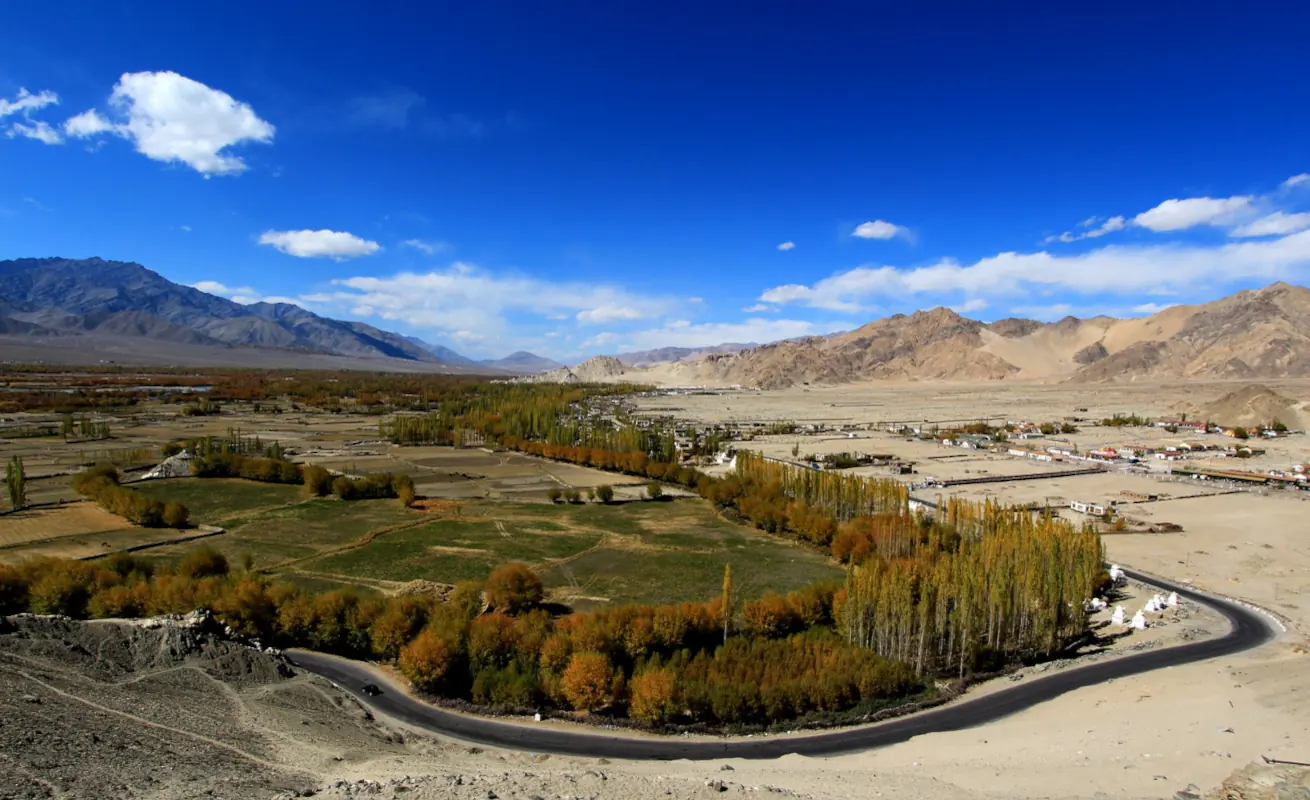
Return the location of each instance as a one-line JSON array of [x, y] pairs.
[[1173, 599], [1139, 621], [1118, 617], [1097, 604], [1116, 573], [1151, 606]]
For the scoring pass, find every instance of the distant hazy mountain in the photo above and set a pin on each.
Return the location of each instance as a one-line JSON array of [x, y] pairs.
[[444, 354], [523, 363], [97, 298], [667, 355]]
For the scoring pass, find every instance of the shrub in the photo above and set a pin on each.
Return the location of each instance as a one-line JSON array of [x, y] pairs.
[[554, 494], [654, 490], [203, 562], [317, 481], [514, 587], [573, 496], [176, 515], [605, 493]]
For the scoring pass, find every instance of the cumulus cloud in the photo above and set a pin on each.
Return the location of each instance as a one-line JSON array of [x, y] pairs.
[[174, 119], [759, 308], [24, 103], [1177, 215], [1297, 180], [429, 248], [878, 229], [22, 106], [972, 304], [785, 246], [712, 333], [40, 131], [1275, 224], [1094, 227], [237, 294], [336, 245], [1114, 270], [608, 313], [1049, 313], [465, 297], [87, 124]]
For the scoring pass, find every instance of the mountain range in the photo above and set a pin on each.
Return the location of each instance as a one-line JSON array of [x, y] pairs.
[[1253, 334], [76, 310], [95, 306]]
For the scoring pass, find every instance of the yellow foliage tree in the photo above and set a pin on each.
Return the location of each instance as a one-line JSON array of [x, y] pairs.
[[588, 681]]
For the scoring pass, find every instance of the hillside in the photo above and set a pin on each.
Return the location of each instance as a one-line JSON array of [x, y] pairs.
[[1258, 335], [670, 355], [1252, 406], [128, 310]]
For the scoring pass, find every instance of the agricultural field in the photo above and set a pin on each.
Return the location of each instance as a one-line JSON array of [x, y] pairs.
[[589, 555], [75, 530]]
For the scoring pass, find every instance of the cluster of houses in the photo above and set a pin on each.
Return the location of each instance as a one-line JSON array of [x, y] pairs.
[[1057, 450]]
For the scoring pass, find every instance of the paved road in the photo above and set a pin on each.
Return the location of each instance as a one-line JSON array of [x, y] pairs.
[[1249, 629]]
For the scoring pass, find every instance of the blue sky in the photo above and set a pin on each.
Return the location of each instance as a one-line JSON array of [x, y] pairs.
[[597, 177]]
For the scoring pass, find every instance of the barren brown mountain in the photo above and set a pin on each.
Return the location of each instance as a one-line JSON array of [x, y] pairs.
[[1261, 334]]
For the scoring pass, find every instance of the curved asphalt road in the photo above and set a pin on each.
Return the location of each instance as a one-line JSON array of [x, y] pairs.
[[1249, 630]]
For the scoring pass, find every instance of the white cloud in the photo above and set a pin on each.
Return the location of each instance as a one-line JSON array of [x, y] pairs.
[[712, 333], [1151, 308], [1297, 180], [429, 248], [785, 246], [1115, 269], [600, 340], [237, 294], [40, 131], [464, 297], [1177, 215], [336, 245], [879, 229], [1043, 313], [25, 103], [1275, 224], [973, 304], [171, 118], [1101, 228], [759, 308], [607, 313], [87, 124]]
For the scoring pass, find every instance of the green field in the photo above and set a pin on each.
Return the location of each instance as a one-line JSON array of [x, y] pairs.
[[214, 501], [274, 524], [589, 555]]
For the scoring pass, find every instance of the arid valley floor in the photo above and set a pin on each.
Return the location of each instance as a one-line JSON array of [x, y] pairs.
[[120, 710]]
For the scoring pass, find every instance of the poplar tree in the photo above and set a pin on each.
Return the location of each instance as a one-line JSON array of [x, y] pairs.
[[727, 601], [16, 483]]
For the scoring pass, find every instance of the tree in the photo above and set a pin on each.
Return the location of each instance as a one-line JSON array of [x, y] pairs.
[[605, 493], [554, 494], [588, 681], [16, 483], [426, 661], [1241, 433], [514, 587], [466, 597], [573, 496], [726, 603], [654, 490], [652, 696]]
